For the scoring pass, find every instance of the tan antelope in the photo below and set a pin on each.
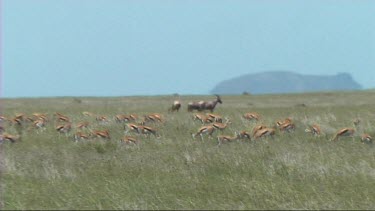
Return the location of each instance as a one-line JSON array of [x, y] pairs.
[[124, 118], [202, 118], [215, 118], [80, 136], [244, 134], [61, 118], [39, 124], [366, 138], [221, 126], [155, 117], [314, 130], [265, 132], [224, 138], [257, 128], [104, 134], [146, 130], [102, 119], [133, 127], [3, 119], [207, 129], [251, 116], [344, 132], [129, 140], [81, 125], [9, 137], [64, 128], [86, 113], [283, 122], [175, 106], [287, 127]]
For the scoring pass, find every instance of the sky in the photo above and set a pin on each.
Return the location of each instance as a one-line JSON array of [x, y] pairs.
[[158, 47]]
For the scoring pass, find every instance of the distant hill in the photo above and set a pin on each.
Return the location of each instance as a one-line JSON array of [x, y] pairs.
[[285, 82]]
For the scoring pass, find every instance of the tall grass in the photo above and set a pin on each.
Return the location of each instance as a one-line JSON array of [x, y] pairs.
[[47, 170]]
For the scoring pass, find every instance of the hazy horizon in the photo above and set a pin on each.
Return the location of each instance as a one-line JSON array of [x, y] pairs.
[[136, 48]]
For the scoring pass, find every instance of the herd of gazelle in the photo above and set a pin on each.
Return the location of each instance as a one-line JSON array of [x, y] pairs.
[[134, 124]]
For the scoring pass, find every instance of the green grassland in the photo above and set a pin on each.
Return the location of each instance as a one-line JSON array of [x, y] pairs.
[[48, 170]]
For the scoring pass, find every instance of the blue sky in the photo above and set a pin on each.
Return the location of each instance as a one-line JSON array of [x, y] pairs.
[[144, 47]]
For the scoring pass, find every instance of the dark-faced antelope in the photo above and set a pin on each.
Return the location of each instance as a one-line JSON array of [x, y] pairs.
[[207, 129], [175, 106], [344, 132], [204, 105]]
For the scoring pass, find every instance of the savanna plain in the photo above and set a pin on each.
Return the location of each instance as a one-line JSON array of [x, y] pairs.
[[46, 169]]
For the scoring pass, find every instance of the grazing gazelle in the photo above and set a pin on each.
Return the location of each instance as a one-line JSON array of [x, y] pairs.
[[9, 137], [344, 132], [155, 117], [221, 126], [175, 106], [65, 128], [287, 127], [313, 129], [207, 129], [366, 138], [61, 118], [125, 118], [257, 128], [129, 140], [251, 116], [133, 127], [202, 118], [244, 134], [215, 118], [264, 132], [81, 125], [101, 134], [80, 136], [146, 130], [102, 119], [224, 138]]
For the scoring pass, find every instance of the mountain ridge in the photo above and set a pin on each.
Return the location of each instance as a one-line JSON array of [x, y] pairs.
[[275, 82]]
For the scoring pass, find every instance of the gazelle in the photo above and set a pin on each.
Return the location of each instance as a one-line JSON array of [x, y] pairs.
[[101, 134], [61, 118], [86, 113], [124, 118], [133, 127], [39, 124], [244, 134], [221, 126], [65, 128], [215, 118], [9, 137], [81, 125], [80, 136], [366, 138], [153, 118], [283, 122], [202, 118], [146, 130], [207, 129], [287, 127], [224, 138], [129, 140], [257, 128], [251, 116], [265, 132], [102, 119], [314, 130], [344, 132]]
